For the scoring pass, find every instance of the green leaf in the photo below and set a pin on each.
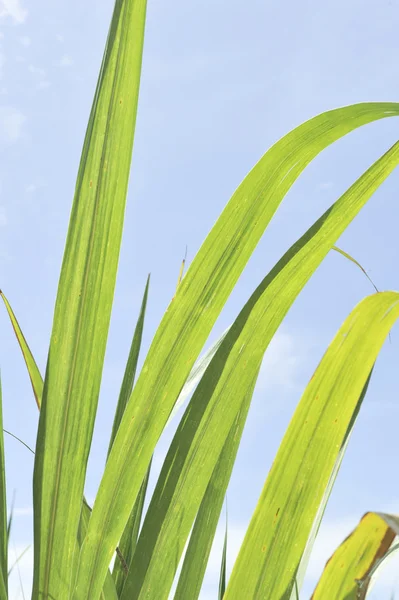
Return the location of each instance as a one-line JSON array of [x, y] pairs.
[[203, 533], [109, 590], [18, 560], [3, 507], [349, 570], [320, 513], [191, 315], [130, 534], [268, 561], [18, 439], [83, 306], [226, 388], [349, 257], [222, 579], [33, 370], [131, 367]]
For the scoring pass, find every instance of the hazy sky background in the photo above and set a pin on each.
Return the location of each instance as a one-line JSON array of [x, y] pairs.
[[221, 82]]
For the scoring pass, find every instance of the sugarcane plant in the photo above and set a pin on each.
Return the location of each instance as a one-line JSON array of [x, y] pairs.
[[74, 543]]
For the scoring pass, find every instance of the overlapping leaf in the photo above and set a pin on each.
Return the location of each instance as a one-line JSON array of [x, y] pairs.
[[189, 319], [226, 388]]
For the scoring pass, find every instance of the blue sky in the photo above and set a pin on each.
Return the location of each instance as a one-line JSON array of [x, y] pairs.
[[221, 81]]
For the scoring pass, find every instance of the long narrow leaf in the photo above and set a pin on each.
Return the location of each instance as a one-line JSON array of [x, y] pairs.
[[201, 538], [199, 547], [348, 572], [326, 495], [222, 579], [128, 542], [3, 504], [17, 560], [83, 306], [226, 388], [189, 319], [130, 534], [131, 367], [33, 370], [355, 262], [109, 590], [268, 561]]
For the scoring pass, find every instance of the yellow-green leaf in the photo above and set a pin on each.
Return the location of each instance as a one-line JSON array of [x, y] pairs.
[[83, 307], [191, 315], [348, 572], [270, 555], [33, 370]]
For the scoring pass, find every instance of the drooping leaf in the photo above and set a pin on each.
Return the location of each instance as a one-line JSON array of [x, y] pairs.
[[189, 319], [349, 257], [348, 572], [225, 389], [268, 560], [83, 306]]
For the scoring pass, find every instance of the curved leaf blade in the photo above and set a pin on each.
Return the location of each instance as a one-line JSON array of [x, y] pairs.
[[268, 561], [226, 388], [189, 319]]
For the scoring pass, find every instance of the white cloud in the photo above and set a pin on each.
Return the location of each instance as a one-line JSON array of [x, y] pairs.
[[37, 71], [326, 185], [59, 37], [14, 10], [41, 76], [43, 85], [11, 124], [66, 61], [24, 511], [24, 40], [282, 363]]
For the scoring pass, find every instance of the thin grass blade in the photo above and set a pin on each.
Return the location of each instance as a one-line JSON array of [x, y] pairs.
[[268, 561], [348, 572], [349, 257], [189, 320], [222, 578], [33, 370], [131, 367], [17, 560]]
